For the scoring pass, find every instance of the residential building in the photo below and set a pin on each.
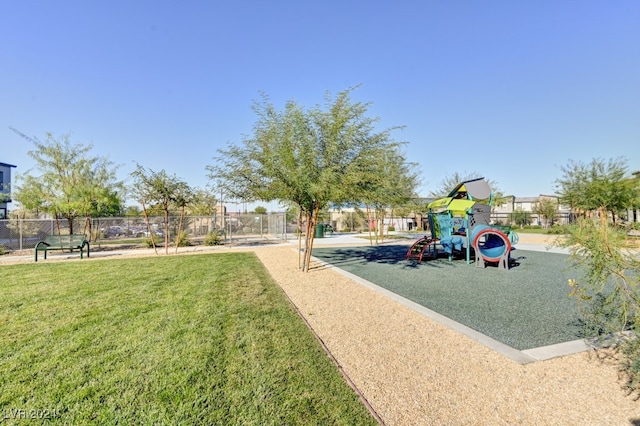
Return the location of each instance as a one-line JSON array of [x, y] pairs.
[[502, 212], [5, 188]]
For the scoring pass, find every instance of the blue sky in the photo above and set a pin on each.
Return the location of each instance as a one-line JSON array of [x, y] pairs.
[[508, 89]]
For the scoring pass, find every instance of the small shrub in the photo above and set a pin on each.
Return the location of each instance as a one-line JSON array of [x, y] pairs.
[[182, 239], [2, 250], [213, 239], [148, 243], [631, 365], [557, 230], [346, 229], [608, 294], [391, 228]]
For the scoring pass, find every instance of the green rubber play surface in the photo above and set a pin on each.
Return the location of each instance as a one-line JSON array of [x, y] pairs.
[[525, 307]]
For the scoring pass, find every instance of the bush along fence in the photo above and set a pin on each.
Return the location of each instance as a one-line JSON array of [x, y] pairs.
[[24, 234]]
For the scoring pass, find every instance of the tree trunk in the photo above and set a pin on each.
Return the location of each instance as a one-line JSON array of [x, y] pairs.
[[307, 231], [57, 223], [87, 227], [300, 264], [308, 241], [369, 220], [381, 224], [179, 228], [70, 222], [146, 219], [166, 229], [312, 220]]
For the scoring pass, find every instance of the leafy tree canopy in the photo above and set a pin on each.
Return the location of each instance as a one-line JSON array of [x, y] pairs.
[[598, 185], [68, 181], [203, 203], [5, 193], [546, 208], [332, 154], [164, 192], [260, 210]]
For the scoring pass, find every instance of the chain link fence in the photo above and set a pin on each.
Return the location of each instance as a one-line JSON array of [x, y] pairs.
[[24, 234]]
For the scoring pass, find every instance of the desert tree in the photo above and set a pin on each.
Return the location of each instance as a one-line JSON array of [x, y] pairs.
[[608, 293], [29, 193], [183, 196], [399, 186], [547, 209], [203, 203], [385, 180], [260, 210], [305, 157], [521, 217], [68, 182], [598, 186], [132, 211], [271, 164], [160, 190]]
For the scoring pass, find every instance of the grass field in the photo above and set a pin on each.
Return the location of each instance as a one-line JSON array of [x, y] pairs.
[[201, 339]]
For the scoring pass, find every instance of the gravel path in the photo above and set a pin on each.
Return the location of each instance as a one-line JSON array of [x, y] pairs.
[[414, 371]]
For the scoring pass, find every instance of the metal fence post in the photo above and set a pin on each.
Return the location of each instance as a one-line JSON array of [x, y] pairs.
[[20, 235]]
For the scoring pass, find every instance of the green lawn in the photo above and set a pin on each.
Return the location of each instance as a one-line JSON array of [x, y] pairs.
[[200, 339], [543, 231]]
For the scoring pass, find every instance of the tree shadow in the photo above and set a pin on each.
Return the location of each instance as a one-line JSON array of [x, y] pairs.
[[397, 255], [384, 255]]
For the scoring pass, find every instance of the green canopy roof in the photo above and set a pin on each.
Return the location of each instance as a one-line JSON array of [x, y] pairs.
[[439, 203], [450, 204]]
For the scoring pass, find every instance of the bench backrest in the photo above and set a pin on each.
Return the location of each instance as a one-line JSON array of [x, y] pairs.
[[73, 240]]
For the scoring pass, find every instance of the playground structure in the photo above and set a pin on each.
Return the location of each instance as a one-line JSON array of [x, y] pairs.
[[460, 222]]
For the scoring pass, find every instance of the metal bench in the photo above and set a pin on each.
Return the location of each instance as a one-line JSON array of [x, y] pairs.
[[62, 242]]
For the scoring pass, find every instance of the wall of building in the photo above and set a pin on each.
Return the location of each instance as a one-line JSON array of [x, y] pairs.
[[5, 185]]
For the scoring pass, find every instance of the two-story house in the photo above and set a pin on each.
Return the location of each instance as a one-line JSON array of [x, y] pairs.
[[5, 188], [511, 204]]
